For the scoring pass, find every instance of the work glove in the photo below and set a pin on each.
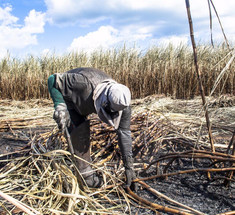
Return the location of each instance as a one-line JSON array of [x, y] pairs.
[[61, 116], [129, 172]]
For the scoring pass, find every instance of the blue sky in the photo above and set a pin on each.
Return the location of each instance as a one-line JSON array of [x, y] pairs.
[[60, 26]]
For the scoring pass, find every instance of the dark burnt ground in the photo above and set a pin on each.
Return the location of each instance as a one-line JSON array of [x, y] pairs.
[[208, 195], [16, 142], [196, 190]]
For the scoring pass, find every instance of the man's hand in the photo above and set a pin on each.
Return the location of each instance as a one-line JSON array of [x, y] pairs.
[[129, 172], [61, 116], [130, 176]]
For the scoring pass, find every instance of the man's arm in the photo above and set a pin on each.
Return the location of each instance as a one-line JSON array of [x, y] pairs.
[[61, 114], [125, 144], [55, 94]]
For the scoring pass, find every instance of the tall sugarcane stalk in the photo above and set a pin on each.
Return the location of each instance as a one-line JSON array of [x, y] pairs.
[[198, 73]]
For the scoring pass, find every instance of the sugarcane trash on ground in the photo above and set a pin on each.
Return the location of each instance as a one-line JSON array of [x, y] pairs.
[[179, 174]]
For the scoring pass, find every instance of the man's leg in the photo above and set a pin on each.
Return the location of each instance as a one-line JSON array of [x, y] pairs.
[[80, 137]]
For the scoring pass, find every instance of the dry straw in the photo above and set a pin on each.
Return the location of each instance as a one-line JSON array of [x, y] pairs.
[[158, 70], [40, 178]]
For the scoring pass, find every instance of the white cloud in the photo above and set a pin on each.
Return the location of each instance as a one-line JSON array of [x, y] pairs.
[[89, 11], [34, 22], [106, 37], [117, 21], [78, 11], [5, 16], [64, 11], [152, 19], [174, 40], [14, 36], [144, 4], [68, 6]]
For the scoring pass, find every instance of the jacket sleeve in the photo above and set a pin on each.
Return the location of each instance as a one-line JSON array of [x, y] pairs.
[[55, 94], [124, 133]]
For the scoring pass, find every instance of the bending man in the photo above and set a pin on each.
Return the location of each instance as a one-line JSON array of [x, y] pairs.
[[80, 92]]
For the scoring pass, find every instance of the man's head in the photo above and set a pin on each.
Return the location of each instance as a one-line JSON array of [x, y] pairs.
[[119, 97], [110, 99]]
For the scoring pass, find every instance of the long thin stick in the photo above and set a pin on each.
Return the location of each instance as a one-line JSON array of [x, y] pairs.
[[210, 22], [231, 142], [18, 204], [199, 75], [220, 76], [167, 198], [186, 171], [225, 38], [230, 174], [228, 213], [156, 206]]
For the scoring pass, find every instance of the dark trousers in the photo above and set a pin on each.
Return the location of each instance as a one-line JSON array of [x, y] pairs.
[[123, 131]]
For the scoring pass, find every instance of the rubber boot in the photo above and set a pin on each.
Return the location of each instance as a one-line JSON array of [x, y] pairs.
[[80, 137]]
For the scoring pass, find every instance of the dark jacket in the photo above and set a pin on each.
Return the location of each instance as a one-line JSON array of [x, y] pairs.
[[77, 87]]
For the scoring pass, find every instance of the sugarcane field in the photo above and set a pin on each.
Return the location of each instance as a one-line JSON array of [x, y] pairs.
[[120, 131], [177, 171]]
